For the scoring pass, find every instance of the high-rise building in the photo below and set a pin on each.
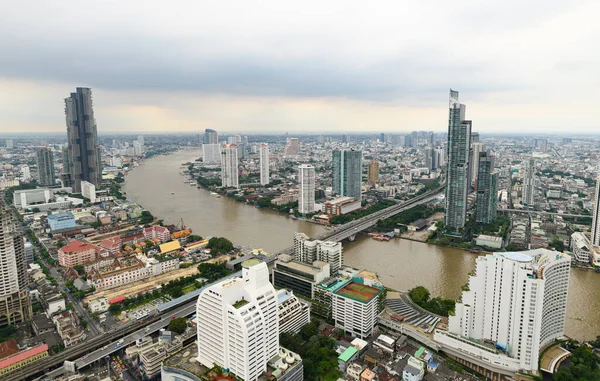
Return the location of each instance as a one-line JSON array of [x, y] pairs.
[[25, 173], [431, 139], [292, 148], [306, 194], [82, 135], [596, 215], [373, 177], [138, 148], [431, 158], [140, 139], [474, 137], [476, 148], [210, 136], [229, 166], [308, 251], [45, 166], [487, 189], [516, 302], [238, 323], [264, 164], [211, 153], [294, 313], [457, 167], [347, 173], [529, 183], [15, 306]]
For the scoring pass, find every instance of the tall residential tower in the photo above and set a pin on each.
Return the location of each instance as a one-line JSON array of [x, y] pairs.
[[210, 137], [229, 166], [264, 164], [596, 215], [529, 183], [306, 194], [45, 166], [487, 189], [84, 153], [457, 168], [347, 173]]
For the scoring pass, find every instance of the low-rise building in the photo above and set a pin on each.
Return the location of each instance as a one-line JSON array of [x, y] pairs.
[[112, 245], [414, 370], [347, 357], [151, 356], [59, 221], [98, 305], [88, 190], [301, 278], [353, 372], [340, 205], [77, 253], [123, 271], [69, 330], [293, 312], [157, 232], [489, 241], [16, 361], [157, 266], [30, 197]]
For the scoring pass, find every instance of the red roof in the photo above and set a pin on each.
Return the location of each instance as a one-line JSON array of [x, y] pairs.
[[118, 299], [77, 246], [8, 348], [21, 356], [111, 243]]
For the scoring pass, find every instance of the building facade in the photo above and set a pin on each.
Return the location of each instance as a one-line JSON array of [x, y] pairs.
[[306, 194], [45, 167], [211, 153], [15, 306], [596, 215], [293, 313], [514, 306], [229, 166], [355, 308], [487, 189], [210, 136], [373, 177], [529, 183], [84, 152], [301, 278], [308, 251], [457, 169], [264, 164], [59, 221], [88, 190], [347, 173], [238, 326], [77, 253]]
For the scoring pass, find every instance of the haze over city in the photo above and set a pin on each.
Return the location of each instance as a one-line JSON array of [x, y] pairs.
[[339, 66]]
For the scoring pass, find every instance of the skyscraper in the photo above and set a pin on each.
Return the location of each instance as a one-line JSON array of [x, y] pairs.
[[516, 301], [529, 182], [373, 176], [238, 325], [347, 173], [306, 195], [487, 189], [431, 158], [596, 215], [210, 137], [45, 166], [457, 167], [229, 166], [476, 148], [264, 164], [15, 306], [292, 148], [82, 135], [211, 153]]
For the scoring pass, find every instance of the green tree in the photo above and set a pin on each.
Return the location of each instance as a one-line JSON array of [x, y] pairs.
[[194, 238], [80, 269], [178, 325], [176, 291], [115, 309], [309, 330], [219, 245], [419, 295]]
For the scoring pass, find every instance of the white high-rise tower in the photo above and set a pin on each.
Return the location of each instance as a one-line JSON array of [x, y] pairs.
[[306, 196], [238, 325], [596, 215], [264, 164], [229, 166]]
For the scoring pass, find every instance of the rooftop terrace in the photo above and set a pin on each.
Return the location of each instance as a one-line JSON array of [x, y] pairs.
[[359, 292]]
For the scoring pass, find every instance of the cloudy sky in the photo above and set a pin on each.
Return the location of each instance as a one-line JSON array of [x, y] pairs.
[[302, 66]]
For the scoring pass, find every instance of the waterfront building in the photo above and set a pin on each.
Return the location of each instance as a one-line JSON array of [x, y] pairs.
[[476, 148], [45, 167], [210, 136], [59, 221], [513, 307], [373, 177], [308, 251], [596, 215], [293, 312], [355, 308], [238, 326], [138, 148], [306, 182], [15, 306], [301, 278], [347, 173], [340, 205], [211, 153], [229, 166], [77, 253], [529, 183], [581, 248], [88, 190], [457, 169], [264, 164], [158, 232], [487, 189], [84, 151]]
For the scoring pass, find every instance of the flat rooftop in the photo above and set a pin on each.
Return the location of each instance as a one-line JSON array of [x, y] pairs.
[[358, 291], [302, 267]]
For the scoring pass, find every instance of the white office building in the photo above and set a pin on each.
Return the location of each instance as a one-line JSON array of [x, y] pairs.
[[515, 305], [529, 182], [264, 164], [581, 248], [229, 166], [308, 251], [25, 173], [596, 215], [88, 190], [306, 196], [28, 197], [211, 153], [238, 323], [138, 148], [293, 313], [355, 308]]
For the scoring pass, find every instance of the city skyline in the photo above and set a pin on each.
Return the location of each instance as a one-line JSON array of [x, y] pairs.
[[347, 78]]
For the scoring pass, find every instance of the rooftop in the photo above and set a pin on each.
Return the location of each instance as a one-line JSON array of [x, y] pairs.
[[348, 353], [77, 246], [311, 270], [250, 263], [170, 246], [62, 215], [23, 355], [358, 292]]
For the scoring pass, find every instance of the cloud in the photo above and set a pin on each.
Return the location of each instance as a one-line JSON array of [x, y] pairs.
[[370, 55]]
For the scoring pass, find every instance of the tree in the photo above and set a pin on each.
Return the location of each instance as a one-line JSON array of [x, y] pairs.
[[309, 330], [219, 245], [419, 295], [80, 269], [146, 217], [178, 325], [176, 292], [194, 238], [114, 309]]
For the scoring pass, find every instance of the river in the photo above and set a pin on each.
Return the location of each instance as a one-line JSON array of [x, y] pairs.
[[401, 264]]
